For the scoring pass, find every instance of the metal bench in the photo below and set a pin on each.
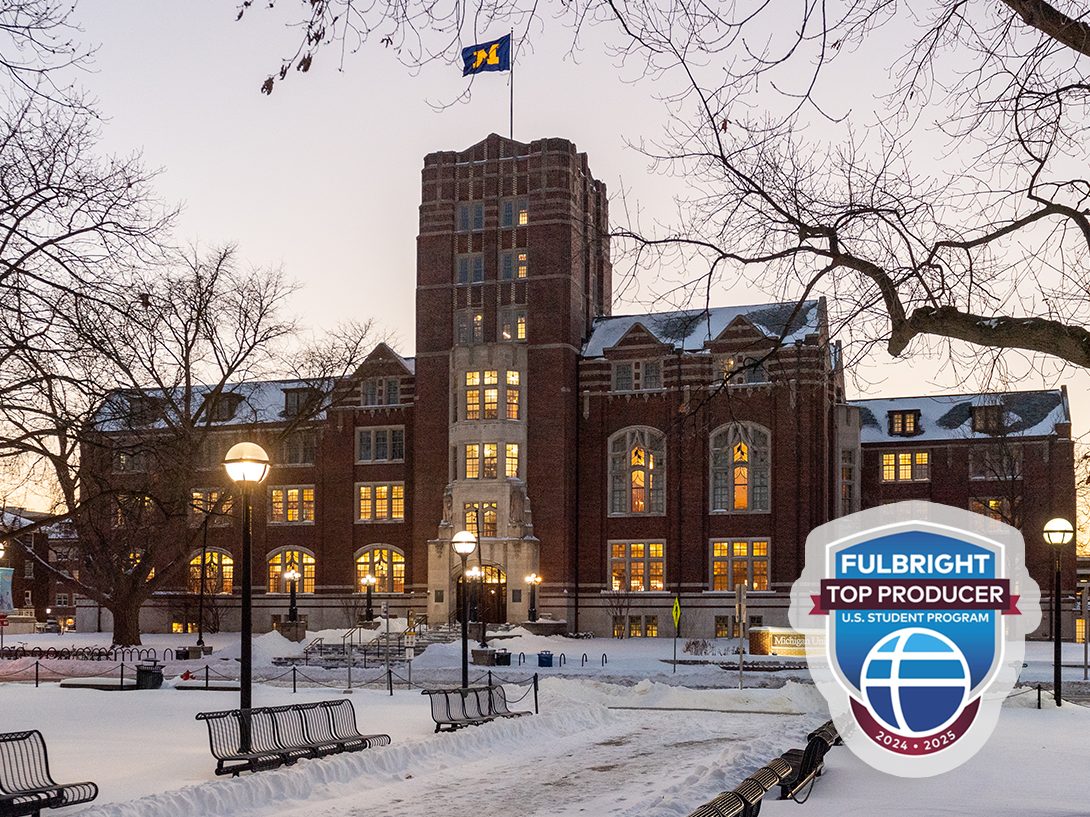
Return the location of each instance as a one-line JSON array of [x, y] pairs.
[[271, 736], [26, 786], [752, 792], [468, 706], [806, 766], [498, 703], [728, 804]]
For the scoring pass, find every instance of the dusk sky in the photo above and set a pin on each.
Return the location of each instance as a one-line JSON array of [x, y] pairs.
[[322, 177]]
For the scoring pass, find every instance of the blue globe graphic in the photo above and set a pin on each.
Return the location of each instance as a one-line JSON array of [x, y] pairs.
[[915, 681]]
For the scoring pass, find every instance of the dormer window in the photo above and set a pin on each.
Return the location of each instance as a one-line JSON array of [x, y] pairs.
[[904, 423], [637, 375], [144, 409], [381, 391], [988, 419], [740, 371], [222, 408], [300, 401]]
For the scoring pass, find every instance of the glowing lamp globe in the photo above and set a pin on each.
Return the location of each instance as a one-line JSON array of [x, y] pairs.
[[1058, 531], [246, 462], [464, 543]]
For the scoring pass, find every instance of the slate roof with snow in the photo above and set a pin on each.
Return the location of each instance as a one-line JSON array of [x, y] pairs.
[[262, 402], [949, 417], [689, 329]]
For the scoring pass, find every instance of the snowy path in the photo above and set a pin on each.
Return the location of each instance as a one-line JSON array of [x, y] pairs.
[[618, 763]]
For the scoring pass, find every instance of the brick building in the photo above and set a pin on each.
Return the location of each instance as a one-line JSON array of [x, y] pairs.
[[624, 459]]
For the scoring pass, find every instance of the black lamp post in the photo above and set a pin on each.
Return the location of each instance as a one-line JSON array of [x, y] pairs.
[[248, 465], [464, 543], [533, 580], [200, 596], [292, 575], [369, 583], [1058, 532]]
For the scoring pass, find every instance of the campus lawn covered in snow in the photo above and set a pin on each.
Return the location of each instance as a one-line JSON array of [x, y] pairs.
[[605, 743]]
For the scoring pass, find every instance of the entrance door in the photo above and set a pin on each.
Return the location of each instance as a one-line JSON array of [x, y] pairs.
[[490, 595]]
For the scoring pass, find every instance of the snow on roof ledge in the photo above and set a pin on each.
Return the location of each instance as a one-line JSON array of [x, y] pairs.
[[690, 329], [949, 416]]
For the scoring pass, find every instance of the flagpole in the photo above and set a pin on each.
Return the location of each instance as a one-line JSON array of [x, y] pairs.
[[512, 84]]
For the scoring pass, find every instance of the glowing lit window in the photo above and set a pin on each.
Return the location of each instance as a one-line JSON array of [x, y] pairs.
[[511, 460], [283, 560], [637, 472], [740, 561], [291, 505], [219, 573], [380, 502], [488, 464], [740, 468], [906, 466], [386, 564], [487, 511], [512, 395], [637, 566], [473, 461]]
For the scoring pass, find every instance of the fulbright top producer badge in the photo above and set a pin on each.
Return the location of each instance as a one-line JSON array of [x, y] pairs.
[[925, 609]]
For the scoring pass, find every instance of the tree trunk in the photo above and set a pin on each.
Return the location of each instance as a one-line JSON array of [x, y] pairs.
[[126, 624]]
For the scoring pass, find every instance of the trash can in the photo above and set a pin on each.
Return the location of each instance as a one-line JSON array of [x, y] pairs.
[[545, 659], [503, 658], [149, 676]]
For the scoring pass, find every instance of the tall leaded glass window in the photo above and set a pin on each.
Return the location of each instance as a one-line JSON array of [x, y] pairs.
[[740, 475], [637, 472]]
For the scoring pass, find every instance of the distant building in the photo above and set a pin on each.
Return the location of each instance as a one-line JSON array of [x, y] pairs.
[[35, 591], [626, 459]]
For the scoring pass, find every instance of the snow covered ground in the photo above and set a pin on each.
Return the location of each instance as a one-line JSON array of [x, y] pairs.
[[607, 742]]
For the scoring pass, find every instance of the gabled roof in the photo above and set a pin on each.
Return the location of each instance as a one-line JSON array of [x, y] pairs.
[[949, 417], [383, 352], [690, 329], [261, 401]]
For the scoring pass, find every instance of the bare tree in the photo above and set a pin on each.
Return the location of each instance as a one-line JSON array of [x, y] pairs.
[[124, 417], [981, 239], [619, 601]]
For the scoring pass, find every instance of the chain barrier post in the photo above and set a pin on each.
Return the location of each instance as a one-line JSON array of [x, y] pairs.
[[390, 681], [294, 688], [535, 694], [121, 680], [36, 662]]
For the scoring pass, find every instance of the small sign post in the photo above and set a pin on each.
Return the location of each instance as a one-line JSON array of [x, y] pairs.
[[677, 627]]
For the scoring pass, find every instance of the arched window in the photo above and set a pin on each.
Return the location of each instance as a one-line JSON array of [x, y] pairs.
[[219, 572], [386, 564], [637, 472], [740, 468], [281, 560]]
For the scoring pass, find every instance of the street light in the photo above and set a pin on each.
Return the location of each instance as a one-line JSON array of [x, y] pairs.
[[464, 543], [247, 464], [1058, 532], [369, 582], [533, 580], [292, 575]]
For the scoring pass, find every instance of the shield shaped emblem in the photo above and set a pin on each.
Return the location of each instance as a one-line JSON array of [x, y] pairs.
[[925, 609]]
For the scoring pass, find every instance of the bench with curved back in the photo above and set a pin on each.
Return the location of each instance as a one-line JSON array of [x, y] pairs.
[[792, 772], [468, 706], [26, 786], [271, 736]]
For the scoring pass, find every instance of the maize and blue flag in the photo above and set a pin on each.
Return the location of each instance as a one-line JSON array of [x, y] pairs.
[[491, 56]]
